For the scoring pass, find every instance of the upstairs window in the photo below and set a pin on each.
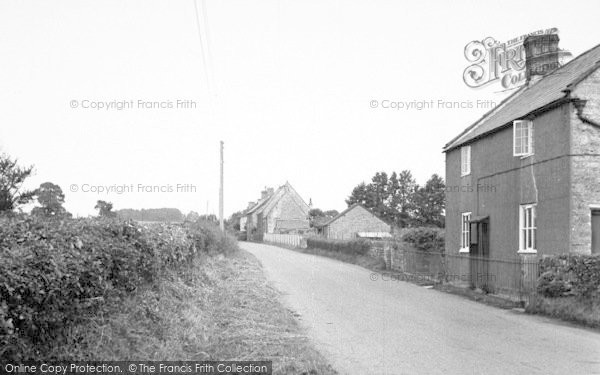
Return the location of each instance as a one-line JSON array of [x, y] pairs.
[[523, 138], [527, 228], [465, 160]]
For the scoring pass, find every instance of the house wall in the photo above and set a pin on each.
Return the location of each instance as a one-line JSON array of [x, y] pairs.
[[287, 208], [356, 220], [585, 163], [499, 182]]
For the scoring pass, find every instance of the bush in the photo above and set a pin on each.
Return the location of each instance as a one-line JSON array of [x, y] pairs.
[[425, 238], [570, 275], [350, 247], [54, 273]]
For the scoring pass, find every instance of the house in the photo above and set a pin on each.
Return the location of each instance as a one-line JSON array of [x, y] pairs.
[[277, 211], [524, 180], [354, 222]]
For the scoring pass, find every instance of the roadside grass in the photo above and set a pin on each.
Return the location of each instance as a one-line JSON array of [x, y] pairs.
[[570, 309], [359, 260], [220, 308]]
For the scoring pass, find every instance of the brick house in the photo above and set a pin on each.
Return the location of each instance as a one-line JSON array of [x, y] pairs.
[[524, 180], [277, 211], [356, 221]]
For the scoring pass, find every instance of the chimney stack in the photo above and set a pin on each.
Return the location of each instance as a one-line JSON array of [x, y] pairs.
[[541, 56]]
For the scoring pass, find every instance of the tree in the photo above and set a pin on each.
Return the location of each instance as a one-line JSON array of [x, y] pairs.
[[402, 193], [379, 188], [315, 212], [105, 209], [316, 216], [331, 213], [51, 198], [12, 177], [375, 196], [398, 199], [430, 202], [361, 194], [192, 217]]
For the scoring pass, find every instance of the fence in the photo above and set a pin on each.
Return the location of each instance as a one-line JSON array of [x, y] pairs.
[[514, 278], [291, 240]]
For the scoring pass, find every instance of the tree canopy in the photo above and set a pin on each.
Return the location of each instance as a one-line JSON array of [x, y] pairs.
[[12, 177], [400, 201], [51, 198]]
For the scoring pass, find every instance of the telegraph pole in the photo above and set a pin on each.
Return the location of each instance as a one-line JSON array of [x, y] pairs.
[[221, 223]]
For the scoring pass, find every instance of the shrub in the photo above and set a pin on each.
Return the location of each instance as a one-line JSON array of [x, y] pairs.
[[351, 247], [551, 285], [570, 275], [56, 272], [425, 238]]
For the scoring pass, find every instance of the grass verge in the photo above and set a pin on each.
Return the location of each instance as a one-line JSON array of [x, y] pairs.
[[221, 308], [570, 309], [360, 260]]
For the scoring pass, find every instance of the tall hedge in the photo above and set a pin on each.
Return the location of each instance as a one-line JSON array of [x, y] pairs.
[[425, 238], [570, 275], [351, 247], [54, 273]]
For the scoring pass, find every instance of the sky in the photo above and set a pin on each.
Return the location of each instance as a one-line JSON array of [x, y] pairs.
[[127, 101]]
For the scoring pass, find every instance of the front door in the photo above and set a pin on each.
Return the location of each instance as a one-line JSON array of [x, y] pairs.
[[479, 254], [596, 231]]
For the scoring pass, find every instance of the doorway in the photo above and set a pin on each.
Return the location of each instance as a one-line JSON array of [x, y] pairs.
[[596, 231], [479, 252]]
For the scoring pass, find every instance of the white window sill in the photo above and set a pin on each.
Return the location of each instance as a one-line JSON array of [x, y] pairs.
[[463, 251], [465, 175], [524, 156], [527, 251]]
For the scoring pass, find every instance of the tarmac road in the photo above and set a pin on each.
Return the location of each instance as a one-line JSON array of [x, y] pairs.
[[366, 323]]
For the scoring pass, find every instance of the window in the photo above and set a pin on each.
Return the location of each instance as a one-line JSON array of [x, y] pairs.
[[465, 238], [523, 138], [465, 160], [527, 228]]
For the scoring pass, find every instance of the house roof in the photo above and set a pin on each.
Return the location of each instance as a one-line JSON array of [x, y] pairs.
[[291, 224], [548, 90], [348, 210], [265, 205], [259, 204]]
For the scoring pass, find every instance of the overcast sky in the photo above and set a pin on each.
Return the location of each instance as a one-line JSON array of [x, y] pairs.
[[287, 85]]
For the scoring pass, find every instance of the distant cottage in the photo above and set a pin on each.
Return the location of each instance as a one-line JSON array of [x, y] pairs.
[[277, 211], [355, 222]]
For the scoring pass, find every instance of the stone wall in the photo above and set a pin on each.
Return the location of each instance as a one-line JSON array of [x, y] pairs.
[[585, 163]]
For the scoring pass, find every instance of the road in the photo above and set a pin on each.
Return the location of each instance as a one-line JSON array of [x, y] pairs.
[[393, 327]]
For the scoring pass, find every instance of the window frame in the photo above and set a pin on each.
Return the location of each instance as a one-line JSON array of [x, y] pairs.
[[528, 228], [465, 236], [465, 161], [518, 124]]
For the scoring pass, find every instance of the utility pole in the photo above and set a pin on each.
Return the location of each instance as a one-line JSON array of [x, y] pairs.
[[221, 223]]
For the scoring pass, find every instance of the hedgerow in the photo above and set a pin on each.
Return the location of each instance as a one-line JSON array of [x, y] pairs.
[[54, 273], [351, 247], [570, 275], [425, 238]]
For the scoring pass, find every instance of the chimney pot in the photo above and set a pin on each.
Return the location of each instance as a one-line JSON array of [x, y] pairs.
[[541, 55]]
